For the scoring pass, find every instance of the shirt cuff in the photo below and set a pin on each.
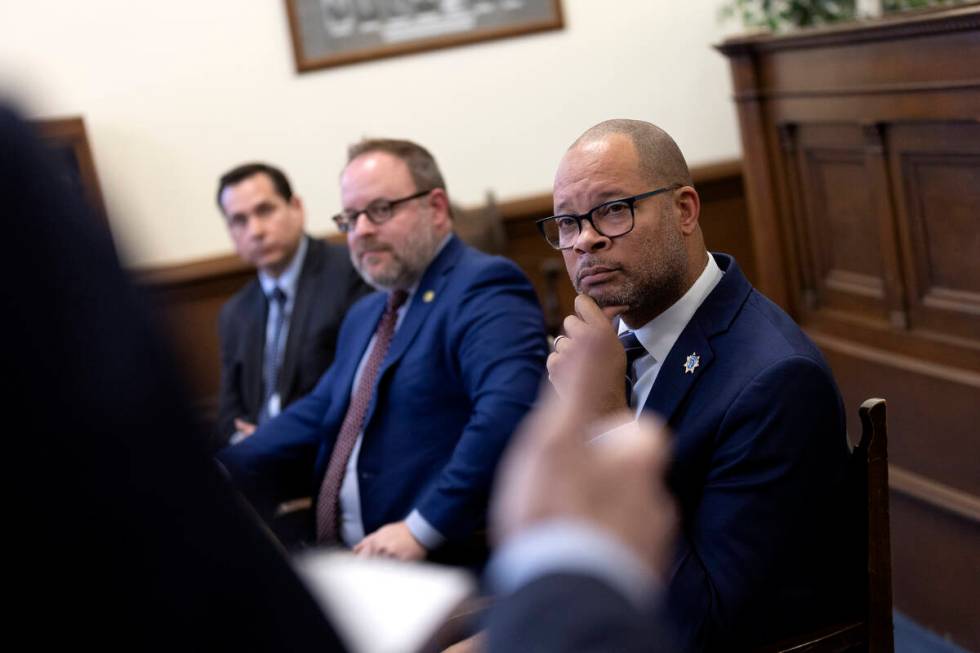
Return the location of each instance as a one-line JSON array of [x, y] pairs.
[[567, 546], [614, 433], [423, 531], [236, 437]]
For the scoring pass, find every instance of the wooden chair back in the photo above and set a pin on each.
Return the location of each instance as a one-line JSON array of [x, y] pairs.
[[871, 632]]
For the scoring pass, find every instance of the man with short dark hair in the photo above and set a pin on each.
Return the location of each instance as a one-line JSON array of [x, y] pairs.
[[278, 333], [399, 441], [760, 449]]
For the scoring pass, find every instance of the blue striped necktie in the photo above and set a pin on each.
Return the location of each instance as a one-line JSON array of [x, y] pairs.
[[273, 361], [634, 350]]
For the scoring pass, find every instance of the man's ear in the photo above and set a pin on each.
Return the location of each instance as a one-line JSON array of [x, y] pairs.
[[296, 204], [687, 204], [438, 200]]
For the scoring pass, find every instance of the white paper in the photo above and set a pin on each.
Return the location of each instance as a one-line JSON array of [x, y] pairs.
[[380, 605]]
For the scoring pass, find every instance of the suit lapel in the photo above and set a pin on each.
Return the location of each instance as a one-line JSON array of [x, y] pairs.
[[255, 348], [692, 355], [425, 299], [300, 319], [677, 376]]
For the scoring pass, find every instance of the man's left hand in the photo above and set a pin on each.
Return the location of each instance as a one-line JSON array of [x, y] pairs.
[[391, 541]]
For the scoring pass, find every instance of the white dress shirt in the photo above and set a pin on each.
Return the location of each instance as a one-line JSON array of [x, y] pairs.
[[659, 334], [351, 524]]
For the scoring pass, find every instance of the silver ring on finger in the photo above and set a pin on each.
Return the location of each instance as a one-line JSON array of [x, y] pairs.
[[558, 339]]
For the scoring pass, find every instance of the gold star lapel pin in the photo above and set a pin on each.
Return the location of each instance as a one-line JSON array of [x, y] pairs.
[[428, 296]]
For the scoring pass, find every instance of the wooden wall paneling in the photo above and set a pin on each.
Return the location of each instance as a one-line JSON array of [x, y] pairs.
[[543, 265], [187, 299], [936, 554], [724, 213], [889, 111], [844, 241], [884, 213], [939, 205], [920, 441], [758, 179], [935, 523], [891, 341], [67, 140], [781, 138], [801, 240]]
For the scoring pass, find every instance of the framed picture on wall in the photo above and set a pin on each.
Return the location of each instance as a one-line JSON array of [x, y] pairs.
[[329, 33], [68, 144]]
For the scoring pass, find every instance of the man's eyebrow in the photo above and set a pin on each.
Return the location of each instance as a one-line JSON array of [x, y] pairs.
[[601, 198]]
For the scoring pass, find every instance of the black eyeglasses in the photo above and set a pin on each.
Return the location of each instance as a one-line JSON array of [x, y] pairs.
[[610, 219], [378, 212]]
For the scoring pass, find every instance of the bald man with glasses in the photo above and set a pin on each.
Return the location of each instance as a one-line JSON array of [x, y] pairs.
[[759, 447], [399, 441]]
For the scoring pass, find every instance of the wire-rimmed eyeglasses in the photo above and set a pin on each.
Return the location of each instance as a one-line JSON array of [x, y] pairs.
[[610, 219]]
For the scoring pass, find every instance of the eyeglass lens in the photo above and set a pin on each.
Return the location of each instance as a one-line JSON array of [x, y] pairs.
[[609, 220]]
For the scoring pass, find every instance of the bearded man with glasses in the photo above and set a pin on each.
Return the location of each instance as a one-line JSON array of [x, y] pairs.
[[759, 446], [399, 441]]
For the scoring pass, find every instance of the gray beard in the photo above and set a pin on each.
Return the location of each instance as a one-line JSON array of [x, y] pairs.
[[409, 265]]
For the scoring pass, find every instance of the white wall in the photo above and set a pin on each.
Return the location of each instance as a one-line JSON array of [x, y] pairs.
[[173, 93]]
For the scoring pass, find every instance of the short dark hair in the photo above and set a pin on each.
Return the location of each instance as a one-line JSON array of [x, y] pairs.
[[421, 164], [246, 170]]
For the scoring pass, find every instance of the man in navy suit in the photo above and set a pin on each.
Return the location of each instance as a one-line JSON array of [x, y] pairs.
[[399, 440], [278, 333], [760, 448]]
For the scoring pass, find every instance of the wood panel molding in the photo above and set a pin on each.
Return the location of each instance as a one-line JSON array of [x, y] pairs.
[[876, 89], [934, 493], [912, 364], [901, 26]]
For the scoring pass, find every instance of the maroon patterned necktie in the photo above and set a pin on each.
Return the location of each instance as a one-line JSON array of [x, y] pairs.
[[328, 501]]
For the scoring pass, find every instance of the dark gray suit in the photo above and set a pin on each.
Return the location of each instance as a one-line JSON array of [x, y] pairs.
[[327, 286], [575, 613]]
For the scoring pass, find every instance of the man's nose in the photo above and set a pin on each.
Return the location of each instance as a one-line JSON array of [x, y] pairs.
[[255, 227], [589, 240], [362, 226]]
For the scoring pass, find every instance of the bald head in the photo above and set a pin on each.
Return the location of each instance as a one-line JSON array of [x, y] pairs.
[[641, 272], [661, 161]]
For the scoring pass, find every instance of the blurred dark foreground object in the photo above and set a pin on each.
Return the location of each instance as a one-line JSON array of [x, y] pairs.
[[124, 534]]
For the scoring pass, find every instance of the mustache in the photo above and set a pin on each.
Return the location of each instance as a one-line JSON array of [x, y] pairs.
[[366, 247], [591, 265]]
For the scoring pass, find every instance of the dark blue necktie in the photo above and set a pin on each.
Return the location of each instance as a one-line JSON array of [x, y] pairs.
[[272, 361], [634, 350]]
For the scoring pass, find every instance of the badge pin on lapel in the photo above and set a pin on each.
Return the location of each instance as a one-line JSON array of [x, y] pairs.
[[692, 363], [428, 296]]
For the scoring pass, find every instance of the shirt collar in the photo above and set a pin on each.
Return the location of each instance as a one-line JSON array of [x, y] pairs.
[[659, 334], [290, 276]]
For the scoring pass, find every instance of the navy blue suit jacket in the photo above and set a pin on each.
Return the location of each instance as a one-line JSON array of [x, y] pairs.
[[463, 369], [759, 455]]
